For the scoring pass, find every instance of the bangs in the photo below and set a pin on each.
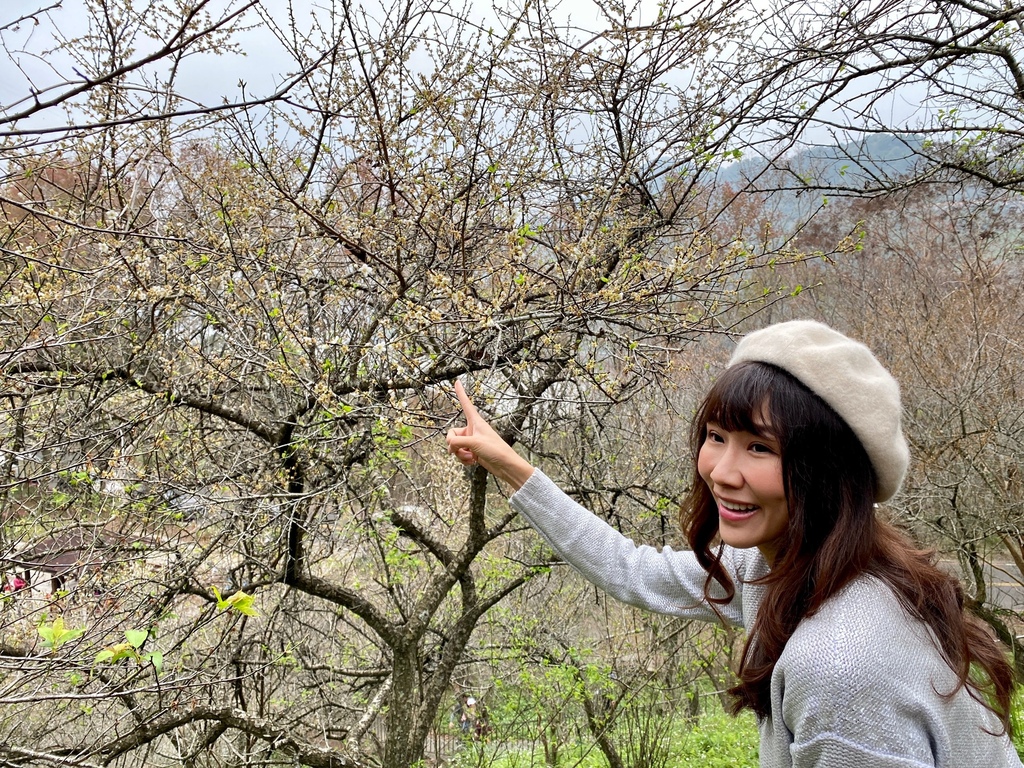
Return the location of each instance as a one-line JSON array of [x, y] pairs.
[[741, 398]]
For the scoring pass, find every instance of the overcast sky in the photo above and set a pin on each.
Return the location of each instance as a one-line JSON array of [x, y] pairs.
[[28, 61], [262, 64], [208, 78]]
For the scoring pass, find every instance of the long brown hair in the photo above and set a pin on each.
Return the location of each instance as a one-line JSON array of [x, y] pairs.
[[833, 536]]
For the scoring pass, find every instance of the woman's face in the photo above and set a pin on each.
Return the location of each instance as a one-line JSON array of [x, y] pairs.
[[743, 470]]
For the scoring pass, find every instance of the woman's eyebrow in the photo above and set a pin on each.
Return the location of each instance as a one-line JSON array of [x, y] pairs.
[[764, 429]]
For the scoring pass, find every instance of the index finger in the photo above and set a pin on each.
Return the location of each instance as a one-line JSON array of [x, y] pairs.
[[472, 414]]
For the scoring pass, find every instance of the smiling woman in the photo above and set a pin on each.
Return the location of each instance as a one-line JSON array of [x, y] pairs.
[[859, 653]]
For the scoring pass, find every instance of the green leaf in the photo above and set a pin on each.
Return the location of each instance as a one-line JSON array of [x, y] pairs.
[[240, 601], [136, 637], [243, 603], [55, 634], [115, 653]]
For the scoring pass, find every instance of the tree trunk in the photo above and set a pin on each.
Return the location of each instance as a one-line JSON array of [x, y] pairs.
[[406, 729]]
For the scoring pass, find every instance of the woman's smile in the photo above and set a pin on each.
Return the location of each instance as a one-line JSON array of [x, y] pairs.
[[735, 511]]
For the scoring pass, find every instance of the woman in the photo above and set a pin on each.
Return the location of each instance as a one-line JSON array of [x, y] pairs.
[[859, 653]]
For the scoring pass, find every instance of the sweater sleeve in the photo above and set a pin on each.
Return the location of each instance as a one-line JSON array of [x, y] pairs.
[[664, 581]]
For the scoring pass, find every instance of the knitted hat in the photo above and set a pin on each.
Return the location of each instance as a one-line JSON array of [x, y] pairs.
[[844, 374]]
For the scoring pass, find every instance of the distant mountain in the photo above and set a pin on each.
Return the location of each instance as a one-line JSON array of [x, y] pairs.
[[865, 164]]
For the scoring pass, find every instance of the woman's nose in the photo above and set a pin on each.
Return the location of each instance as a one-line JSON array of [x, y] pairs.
[[726, 471]]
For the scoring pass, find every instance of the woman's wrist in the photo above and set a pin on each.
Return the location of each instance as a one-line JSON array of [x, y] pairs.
[[516, 471]]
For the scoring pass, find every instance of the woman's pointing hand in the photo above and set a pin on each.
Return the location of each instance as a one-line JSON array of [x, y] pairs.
[[478, 443]]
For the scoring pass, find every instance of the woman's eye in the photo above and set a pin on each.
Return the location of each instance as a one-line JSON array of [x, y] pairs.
[[714, 437], [761, 448]]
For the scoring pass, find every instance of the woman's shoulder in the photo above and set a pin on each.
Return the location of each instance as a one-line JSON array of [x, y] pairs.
[[863, 633], [859, 614]]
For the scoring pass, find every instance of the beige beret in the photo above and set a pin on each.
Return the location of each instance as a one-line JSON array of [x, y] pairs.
[[846, 375]]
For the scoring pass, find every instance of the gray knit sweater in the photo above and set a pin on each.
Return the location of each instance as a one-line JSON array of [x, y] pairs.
[[859, 684]]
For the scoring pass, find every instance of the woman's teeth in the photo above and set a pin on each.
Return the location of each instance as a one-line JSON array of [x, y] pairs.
[[739, 507]]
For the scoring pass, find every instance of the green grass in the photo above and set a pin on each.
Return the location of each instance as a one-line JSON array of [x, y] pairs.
[[716, 741], [1017, 720]]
